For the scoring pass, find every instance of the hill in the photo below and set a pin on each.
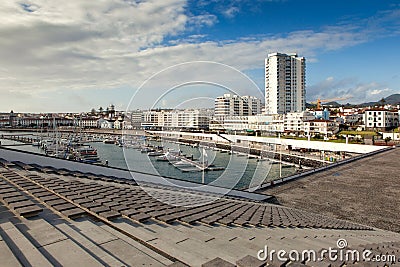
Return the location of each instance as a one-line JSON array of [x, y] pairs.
[[392, 100]]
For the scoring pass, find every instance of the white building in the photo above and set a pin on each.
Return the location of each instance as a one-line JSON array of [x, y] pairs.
[[119, 124], [393, 136], [323, 127], [284, 83], [234, 105], [88, 122], [381, 119], [294, 121], [171, 119], [134, 118], [265, 123], [106, 124], [353, 119]]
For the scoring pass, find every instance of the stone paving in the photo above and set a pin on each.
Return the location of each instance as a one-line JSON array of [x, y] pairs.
[[54, 217]]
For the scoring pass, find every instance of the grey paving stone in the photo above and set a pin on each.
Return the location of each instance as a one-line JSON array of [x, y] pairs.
[[250, 261], [218, 262]]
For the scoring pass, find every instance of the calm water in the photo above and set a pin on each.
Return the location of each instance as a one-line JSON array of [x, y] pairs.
[[239, 171]]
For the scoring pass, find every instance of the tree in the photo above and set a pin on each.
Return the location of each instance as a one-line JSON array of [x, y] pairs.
[[93, 111], [388, 139], [382, 101], [101, 109]]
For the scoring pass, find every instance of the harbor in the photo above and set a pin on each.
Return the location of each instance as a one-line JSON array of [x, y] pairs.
[[194, 157], [177, 160]]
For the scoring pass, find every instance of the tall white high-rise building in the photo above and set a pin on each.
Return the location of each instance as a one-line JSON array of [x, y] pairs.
[[285, 83]]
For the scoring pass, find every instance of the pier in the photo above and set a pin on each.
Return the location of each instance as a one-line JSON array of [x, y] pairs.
[[19, 138]]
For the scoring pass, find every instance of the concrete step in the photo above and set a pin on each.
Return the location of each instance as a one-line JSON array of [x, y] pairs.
[[23, 250], [91, 247], [7, 257]]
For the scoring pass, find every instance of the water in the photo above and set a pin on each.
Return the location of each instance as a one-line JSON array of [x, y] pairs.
[[238, 173]]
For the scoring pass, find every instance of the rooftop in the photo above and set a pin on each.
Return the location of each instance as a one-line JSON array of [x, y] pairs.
[[364, 191], [52, 216]]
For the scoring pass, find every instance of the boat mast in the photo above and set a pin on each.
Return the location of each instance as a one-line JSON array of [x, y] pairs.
[[202, 175]]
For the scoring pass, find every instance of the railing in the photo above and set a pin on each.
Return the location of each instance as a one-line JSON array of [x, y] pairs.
[[317, 170]]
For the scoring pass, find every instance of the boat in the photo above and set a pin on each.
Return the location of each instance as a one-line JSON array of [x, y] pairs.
[[86, 154], [147, 149], [182, 164], [36, 143], [168, 157], [190, 169], [109, 141], [155, 153], [134, 146]]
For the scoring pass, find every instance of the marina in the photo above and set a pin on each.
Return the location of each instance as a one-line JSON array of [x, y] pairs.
[[227, 161], [178, 160]]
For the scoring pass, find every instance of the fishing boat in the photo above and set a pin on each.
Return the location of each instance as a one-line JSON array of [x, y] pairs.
[[86, 154]]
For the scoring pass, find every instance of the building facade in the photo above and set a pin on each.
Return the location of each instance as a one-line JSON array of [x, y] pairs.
[[285, 83], [234, 105], [381, 119], [320, 127], [176, 119], [294, 121]]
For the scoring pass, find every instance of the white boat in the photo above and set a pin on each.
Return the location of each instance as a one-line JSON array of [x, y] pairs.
[[168, 157], [147, 149], [155, 153], [182, 164], [36, 143]]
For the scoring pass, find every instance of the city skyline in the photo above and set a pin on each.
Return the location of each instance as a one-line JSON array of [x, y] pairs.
[[59, 57]]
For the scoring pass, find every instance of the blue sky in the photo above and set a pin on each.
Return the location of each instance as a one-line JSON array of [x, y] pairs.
[[59, 56]]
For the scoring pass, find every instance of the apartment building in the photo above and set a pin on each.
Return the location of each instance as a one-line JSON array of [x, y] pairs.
[[381, 119], [320, 127], [234, 105], [285, 83], [294, 121]]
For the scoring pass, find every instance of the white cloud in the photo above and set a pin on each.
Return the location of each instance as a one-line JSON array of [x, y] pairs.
[[231, 11], [379, 91], [354, 91], [48, 46], [203, 20]]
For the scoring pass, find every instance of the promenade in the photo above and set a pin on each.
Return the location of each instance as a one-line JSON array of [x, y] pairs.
[[364, 191]]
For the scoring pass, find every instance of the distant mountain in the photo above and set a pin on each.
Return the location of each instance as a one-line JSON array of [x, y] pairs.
[[392, 100], [332, 104]]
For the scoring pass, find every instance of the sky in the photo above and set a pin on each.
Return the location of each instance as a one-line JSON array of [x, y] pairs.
[[75, 55]]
